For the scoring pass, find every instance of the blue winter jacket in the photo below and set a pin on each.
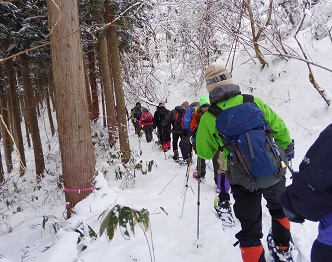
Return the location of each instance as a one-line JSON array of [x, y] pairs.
[[310, 194]]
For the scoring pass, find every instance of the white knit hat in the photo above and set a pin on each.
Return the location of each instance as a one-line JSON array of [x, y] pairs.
[[216, 75]]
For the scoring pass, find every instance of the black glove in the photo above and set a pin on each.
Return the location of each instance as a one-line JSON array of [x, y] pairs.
[[293, 217], [290, 151]]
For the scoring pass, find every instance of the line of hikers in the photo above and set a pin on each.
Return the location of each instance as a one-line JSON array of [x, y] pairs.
[[251, 149]]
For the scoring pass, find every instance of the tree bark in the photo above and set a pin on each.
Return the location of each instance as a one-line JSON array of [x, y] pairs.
[[32, 116], [77, 153], [108, 88], [5, 128], [92, 77], [15, 110], [119, 94], [49, 109]]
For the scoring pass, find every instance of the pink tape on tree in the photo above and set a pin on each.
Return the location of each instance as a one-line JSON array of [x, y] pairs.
[[79, 190]]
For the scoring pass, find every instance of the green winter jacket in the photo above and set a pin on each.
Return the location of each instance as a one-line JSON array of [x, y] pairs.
[[208, 140]]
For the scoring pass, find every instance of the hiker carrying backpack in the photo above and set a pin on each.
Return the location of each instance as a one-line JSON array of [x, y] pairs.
[[164, 132], [146, 123], [135, 117], [175, 117], [239, 151]]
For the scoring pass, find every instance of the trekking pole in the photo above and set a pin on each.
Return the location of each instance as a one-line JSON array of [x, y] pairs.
[[290, 168], [198, 198], [187, 178]]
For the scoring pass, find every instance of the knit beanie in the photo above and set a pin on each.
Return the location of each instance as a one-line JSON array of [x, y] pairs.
[[216, 75], [162, 102], [185, 104], [204, 100]]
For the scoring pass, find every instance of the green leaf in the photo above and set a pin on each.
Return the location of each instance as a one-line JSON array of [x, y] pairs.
[[104, 223], [125, 218], [92, 233], [112, 222], [145, 220]]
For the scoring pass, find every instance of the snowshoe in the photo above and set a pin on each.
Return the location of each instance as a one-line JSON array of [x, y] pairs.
[[183, 162], [224, 212], [279, 255]]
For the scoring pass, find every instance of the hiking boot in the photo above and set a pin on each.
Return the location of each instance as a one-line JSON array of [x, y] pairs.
[[224, 211], [280, 253]]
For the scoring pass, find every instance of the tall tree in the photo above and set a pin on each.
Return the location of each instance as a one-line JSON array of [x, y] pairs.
[[92, 76], [32, 116], [77, 154], [108, 87], [5, 124], [117, 80], [16, 116]]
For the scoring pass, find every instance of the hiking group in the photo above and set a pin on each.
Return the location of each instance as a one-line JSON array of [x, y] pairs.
[[251, 149]]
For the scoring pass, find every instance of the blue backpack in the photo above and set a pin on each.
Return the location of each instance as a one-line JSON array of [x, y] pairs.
[[248, 137], [137, 113]]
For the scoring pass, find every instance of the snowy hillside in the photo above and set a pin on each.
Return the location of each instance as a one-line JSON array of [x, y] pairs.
[[284, 86]]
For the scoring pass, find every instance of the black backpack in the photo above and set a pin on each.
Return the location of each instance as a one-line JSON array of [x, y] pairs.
[[162, 114]]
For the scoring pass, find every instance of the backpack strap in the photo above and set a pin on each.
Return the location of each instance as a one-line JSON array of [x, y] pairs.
[[215, 110], [248, 98]]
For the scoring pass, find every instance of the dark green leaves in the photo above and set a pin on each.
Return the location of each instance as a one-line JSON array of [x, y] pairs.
[[126, 219]]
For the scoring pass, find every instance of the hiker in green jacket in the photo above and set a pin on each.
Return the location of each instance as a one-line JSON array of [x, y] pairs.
[[247, 206]]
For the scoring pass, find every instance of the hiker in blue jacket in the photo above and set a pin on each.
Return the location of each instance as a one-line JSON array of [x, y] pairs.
[[310, 194]]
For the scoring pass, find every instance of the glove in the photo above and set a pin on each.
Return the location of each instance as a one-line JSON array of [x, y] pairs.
[[290, 151], [293, 217]]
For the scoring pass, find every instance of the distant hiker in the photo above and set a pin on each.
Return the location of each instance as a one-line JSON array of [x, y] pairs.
[[175, 117], [164, 133], [135, 116], [146, 123], [248, 183], [310, 194]]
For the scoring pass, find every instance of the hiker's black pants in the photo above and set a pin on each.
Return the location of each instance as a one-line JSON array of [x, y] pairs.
[[164, 134], [137, 127], [148, 132], [175, 141], [185, 145], [248, 209]]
